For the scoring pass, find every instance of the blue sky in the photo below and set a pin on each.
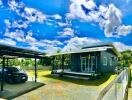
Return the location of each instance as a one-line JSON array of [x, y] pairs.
[[48, 25]]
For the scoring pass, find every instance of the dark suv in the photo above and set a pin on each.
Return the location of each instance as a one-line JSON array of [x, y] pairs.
[[14, 75]]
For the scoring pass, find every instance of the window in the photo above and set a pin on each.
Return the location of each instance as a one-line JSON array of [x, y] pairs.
[[105, 61], [111, 61]]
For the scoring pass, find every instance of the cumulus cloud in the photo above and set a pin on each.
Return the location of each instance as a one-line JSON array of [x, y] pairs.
[[67, 32], [56, 16], [33, 15], [124, 30], [122, 47], [17, 35], [51, 50], [76, 43], [30, 14], [47, 43], [8, 41], [108, 17], [16, 24], [61, 24]]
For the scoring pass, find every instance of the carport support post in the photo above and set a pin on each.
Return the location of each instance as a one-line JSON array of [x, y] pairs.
[[2, 76], [63, 62], [7, 62], [35, 68]]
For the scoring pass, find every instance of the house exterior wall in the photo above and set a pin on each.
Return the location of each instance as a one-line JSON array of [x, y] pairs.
[[108, 61], [76, 60]]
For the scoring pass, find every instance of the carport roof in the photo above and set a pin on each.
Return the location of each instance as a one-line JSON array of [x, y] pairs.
[[8, 50]]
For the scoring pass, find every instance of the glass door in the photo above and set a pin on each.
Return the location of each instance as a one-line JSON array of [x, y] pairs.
[[83, 64], [93, 63], [89, 64]]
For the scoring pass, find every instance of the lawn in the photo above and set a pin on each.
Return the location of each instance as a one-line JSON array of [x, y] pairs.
[[101, 82], [64, 88]]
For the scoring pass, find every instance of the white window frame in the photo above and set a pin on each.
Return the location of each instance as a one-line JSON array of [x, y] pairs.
[[104, 60]]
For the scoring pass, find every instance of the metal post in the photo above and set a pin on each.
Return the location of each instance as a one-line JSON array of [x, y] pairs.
[[2, 76], [53, 65], [7, 62], [35, 69], [62, 62]]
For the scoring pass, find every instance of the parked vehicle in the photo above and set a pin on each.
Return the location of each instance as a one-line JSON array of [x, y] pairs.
[[14, 75]]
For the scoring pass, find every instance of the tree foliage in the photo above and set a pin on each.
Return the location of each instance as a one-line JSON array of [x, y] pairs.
[[125, 60]]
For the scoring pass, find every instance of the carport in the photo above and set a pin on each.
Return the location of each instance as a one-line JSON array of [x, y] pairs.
[[7, 52]]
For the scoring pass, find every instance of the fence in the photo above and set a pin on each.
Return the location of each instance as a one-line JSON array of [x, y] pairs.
[[117, 89]]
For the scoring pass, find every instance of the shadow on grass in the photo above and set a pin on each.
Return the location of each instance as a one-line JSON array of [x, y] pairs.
[[87, 82]]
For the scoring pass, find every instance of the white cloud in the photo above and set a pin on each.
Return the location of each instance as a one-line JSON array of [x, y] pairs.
[[8, 23], [13, 4], [33, 47], [1, 3], [62, 24], [76, 10], [122, 47], [8, 41], [76, 43], [56, 16], [49, 46], [30, 39], [67, 32], [113, 20], [16, 24], [123, 30], [108, 17], [47, 43], [17, 35], [30, 14], [51, 50], [33, 15]]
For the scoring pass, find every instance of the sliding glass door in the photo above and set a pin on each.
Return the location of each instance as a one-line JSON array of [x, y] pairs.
[[83, 64], [89, 64]]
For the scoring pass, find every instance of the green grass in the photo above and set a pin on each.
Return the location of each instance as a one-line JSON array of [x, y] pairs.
[[101, 82], [64, 88]]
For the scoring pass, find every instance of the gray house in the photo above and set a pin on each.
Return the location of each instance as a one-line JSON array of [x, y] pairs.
[[94, 58]]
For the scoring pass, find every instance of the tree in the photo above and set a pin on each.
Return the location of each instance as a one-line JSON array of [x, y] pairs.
[[125, 59]]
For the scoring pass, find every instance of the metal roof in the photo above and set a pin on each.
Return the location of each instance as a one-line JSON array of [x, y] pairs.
[[92, 48], [8, 50], [99, 44]]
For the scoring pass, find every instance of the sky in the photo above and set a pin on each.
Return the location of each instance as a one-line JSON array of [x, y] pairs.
[[51, 25]]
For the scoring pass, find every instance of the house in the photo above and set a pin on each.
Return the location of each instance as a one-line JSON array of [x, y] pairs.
[[95, 58]]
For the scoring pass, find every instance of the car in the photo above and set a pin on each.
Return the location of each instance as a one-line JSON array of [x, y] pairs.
[[14, 75]]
